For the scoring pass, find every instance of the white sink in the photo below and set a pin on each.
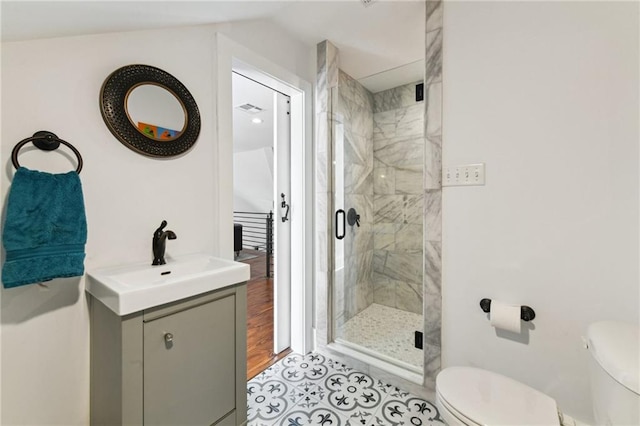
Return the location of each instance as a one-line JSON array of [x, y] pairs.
[[132, 288]]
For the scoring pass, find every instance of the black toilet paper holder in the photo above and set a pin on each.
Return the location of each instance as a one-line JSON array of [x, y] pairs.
[[526, 313]]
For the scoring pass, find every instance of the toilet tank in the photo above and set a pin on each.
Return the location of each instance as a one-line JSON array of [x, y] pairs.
[[615, 372]]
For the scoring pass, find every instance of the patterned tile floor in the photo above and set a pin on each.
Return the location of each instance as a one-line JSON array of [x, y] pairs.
[[386, 330], [314, 390]]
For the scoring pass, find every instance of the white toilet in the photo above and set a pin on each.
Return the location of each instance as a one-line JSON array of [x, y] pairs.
[[472, 396]]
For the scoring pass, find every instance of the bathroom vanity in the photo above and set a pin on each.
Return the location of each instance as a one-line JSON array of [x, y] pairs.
[[181, 362]]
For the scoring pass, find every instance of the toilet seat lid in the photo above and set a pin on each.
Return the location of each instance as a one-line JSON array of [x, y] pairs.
[[489, 398], [616, 347]]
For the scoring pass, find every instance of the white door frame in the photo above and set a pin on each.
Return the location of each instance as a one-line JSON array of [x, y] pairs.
[[230, 56]]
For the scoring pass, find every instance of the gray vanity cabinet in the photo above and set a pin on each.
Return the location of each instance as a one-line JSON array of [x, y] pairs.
[[183, 363]]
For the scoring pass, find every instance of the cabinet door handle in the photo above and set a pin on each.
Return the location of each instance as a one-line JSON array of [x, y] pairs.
[[168, 338]]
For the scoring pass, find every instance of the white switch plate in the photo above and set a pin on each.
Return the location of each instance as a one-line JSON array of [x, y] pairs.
[[463, 175]]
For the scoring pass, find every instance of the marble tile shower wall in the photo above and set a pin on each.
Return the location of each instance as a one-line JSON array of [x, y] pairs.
[[432, 308], [354, 111], [398, 151], [383, 165]]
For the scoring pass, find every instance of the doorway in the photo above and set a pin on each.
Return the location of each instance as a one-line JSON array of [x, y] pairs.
[[232, 57], [262, 236]]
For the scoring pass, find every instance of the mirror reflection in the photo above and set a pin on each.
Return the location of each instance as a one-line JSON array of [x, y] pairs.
[[156, 112]]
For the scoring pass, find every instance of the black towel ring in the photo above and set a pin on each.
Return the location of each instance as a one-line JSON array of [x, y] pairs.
[[46, 141]]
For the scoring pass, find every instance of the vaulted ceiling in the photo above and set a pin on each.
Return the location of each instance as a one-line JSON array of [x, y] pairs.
[[371, 39]]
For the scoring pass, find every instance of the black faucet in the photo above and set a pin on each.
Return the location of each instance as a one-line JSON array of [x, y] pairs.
[[160, 242]]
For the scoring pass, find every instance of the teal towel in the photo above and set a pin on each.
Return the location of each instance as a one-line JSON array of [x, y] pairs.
[[45, 228]]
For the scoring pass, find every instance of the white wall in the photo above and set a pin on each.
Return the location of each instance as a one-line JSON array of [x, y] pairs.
[[54, 84], [546, 94], [274, 43], [253, 181]]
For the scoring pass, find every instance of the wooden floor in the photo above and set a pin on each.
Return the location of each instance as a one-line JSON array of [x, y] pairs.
[[259, 317]]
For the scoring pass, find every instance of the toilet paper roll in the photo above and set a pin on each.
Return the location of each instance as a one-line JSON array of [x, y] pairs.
[[505, 317]]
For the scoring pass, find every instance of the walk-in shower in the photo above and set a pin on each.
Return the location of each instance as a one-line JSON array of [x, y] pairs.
[[377, 197]]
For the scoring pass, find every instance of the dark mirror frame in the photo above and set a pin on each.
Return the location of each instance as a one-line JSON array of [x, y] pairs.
[[113, 98]]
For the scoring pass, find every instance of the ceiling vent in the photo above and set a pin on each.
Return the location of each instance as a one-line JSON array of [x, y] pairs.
[[368, 3], [251, 109]]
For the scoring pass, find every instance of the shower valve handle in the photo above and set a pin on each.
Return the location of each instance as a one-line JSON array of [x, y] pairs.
[[353, 218]]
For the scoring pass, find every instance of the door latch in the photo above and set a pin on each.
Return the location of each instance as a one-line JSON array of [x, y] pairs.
[[283, 205]]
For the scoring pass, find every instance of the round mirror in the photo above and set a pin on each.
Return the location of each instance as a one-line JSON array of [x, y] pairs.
[[149, 111], [156, 112]]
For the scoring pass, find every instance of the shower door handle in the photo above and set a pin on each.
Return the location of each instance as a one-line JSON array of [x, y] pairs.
[[338, 212]]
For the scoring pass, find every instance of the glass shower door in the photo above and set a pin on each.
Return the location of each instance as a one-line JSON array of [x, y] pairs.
[[377, 161], [353, 205]]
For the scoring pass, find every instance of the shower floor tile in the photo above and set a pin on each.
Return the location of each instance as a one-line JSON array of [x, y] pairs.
[[387, 331], [314, 390]]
